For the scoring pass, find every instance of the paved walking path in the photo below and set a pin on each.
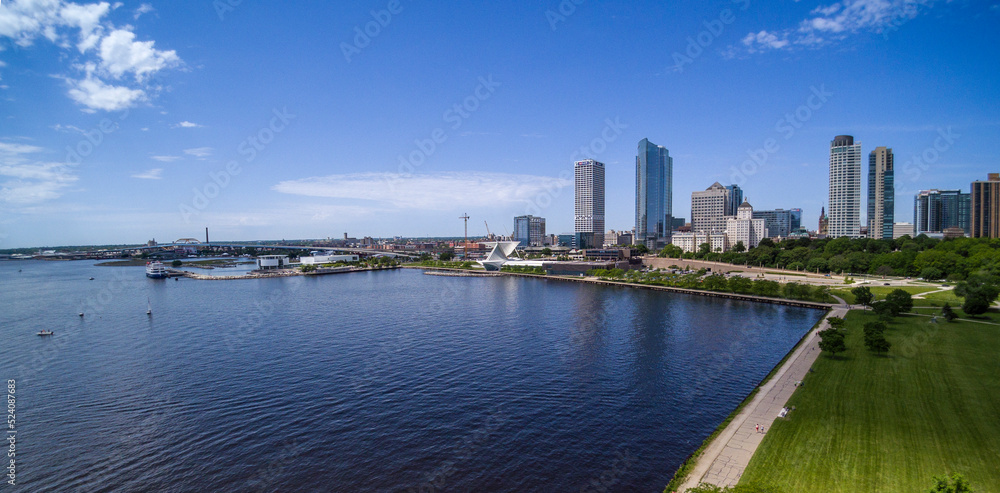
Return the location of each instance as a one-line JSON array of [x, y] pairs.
[[724, 460]]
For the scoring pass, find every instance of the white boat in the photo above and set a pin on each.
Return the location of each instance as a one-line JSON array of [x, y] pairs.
[[45, 332], [156, 270]]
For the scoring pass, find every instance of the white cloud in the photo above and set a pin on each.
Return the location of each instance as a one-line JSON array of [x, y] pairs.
[[166, 159], [96, 95], [199, 151], [108, 52], [143, 9], [835, 22], [121, 53], [152, 174], [443, 191], [6, 148], [27, 181], [186, 124]]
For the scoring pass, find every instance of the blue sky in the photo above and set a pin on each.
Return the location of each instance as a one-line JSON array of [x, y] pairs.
[[266, 120]]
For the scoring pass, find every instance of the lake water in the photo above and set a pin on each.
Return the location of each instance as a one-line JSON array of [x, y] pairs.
[[376, 381]]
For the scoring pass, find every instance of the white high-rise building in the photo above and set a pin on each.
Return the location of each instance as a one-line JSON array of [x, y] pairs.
[[589, 210], [744, 228], [845, 188]]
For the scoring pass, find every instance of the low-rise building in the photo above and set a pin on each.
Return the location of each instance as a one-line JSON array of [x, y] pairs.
[[327, 259], [691, 241]]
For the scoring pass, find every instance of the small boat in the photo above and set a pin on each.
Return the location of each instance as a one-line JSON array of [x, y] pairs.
[[81, 314], [91, 278], [149, 308], [45, 332]]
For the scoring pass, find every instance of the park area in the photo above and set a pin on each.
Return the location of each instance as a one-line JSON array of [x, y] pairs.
[[891, 422]]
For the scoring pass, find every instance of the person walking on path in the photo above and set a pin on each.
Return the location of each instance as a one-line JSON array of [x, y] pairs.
[[757, 428]]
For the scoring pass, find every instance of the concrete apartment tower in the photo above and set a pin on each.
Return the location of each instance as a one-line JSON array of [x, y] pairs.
[[985, 205], [881, 194], [589, 210], [709, 209], [654, 174], [845, 187]]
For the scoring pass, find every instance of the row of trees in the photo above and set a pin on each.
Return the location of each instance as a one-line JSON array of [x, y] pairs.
[[720, 283], [954, 259]]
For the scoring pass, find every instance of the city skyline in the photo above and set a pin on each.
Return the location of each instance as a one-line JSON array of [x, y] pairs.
[[131, 121]]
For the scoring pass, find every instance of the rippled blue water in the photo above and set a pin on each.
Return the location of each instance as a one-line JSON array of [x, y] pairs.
[[382, 381]]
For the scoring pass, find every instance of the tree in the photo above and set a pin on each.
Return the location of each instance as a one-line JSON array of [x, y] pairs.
[[671, 251], [836, 322], [979, 291], [766, 242], [739, 247], [740, 284], [704, 249], [765, 288], [446, 256], [885, 310], [176, 263], [546, 251], [954, 484], [832, 341], [948, 313], [874, 328], [901, 301], [863, 295], [641, 249], [876, 342], [883, 270]]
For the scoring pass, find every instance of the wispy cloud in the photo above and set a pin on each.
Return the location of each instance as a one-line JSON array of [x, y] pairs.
[[143, 9], [835, 22], [166, 159], [442, 191], [27, 181], [200, 152], [107, 54], [186, 124], [152, 174]]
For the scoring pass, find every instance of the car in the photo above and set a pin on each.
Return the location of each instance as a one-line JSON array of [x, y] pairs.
[[945, 285], [886, 284]]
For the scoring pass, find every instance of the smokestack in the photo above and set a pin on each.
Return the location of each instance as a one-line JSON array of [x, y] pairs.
[[206, 234]]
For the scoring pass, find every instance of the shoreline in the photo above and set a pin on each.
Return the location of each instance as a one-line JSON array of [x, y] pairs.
[[726, 453], [696, 292]]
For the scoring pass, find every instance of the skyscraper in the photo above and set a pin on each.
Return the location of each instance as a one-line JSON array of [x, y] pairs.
[[734, 200], [778, 222], [937, 210], [985, 207], [708, 209], [881, 194], [529, 230], [654, 171], [589, 210], [796, 219], [845, 187]]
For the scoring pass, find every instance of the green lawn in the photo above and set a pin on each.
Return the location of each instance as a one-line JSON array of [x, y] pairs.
[[889, 423], [880, 292]]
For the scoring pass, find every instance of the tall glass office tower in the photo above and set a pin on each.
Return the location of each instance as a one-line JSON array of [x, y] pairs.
[[654, 175], [881, 194]]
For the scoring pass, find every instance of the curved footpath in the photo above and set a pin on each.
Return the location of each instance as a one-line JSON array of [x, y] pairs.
[[724, 460]]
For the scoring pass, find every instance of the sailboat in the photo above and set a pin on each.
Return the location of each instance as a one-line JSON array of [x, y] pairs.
[[149, 307]]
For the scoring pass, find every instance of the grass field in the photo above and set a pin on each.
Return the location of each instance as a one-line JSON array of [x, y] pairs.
[[889, 423], [880, 292]]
